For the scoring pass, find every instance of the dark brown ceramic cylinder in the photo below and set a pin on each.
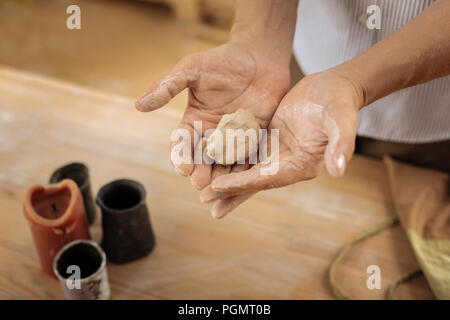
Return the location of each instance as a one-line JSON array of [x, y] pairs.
[[127, 232], [79, 173], [56, 217]]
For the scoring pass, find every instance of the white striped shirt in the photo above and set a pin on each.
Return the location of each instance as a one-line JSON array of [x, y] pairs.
[[330, 32]]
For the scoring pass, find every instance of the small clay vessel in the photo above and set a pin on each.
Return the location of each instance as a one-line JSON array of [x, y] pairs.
[[127, 232], [56, 217], [79, 173], [81, 269]]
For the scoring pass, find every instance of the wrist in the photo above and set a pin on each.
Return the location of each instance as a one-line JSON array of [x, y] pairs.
[[262, 45], [266, 27], [354, 85], [352, 75]]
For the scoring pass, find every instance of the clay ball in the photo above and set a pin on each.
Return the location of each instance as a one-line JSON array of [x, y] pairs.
[[243, 142]]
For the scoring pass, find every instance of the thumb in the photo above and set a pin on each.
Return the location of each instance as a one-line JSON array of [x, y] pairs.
[[182, 76], [341, 143]]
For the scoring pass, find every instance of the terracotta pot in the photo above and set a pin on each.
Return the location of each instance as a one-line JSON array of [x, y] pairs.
[[56, 216], [81, 269], [127, 232], [79, 173]]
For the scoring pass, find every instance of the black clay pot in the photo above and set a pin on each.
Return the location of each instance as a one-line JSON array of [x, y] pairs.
[[79, 173], [127, 232]]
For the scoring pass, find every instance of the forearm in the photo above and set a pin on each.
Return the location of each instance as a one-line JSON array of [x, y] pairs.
[[267, 26], [416, 53]]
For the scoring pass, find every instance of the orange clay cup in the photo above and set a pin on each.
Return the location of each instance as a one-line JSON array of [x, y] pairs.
[[56, 216]]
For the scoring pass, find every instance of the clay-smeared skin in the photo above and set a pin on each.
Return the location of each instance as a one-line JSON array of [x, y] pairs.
[[250, 72], [326, 103], [317, 120], [220, 81]]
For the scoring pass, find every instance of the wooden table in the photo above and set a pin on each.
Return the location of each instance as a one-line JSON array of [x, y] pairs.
[[278, 245]]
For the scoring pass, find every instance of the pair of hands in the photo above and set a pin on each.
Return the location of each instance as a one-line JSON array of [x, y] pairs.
[[317, 119]]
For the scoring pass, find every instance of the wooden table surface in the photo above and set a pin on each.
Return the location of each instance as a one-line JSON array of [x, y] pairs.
[[278, 245]]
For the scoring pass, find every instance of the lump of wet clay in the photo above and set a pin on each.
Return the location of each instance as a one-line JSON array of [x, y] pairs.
[[237, 140]]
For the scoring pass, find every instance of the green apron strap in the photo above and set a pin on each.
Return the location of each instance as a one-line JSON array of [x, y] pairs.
[[404, 278], [363, 235]]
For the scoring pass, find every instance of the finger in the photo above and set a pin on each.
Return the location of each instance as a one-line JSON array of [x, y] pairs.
[[201, 176], [273, 175], [182, 76], [222, 207], [191, 132], [181, 146], [219, 170], [208, 195], [341, 143], [240, 167]]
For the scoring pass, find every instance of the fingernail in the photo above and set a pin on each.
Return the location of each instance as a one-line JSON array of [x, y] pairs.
[[216, 213], [179, 171], [204, 199], [145, 102], [215, 185], [341, 164], [138, 104], [184, 170], [208, 197], [144, 95], [195, 183]]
